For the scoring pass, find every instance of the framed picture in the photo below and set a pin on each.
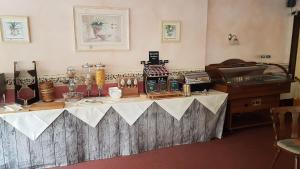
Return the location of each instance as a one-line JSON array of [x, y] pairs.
[[171, 31], [14, 29], [101, 28]]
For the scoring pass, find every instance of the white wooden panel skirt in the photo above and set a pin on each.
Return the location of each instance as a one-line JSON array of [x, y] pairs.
[[69, 140]]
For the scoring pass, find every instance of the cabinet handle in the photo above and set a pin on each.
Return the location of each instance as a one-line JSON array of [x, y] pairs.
[[256, 102]]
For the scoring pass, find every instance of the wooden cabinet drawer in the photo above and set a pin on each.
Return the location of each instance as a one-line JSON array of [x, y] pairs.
[[253, 104]]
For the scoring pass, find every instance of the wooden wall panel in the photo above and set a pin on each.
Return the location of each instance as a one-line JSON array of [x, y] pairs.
[[48, 147], [2, 161], [114, 134], [164, 131], [104, 135], [124, 137], [151, 127], [82, 130], [93, 142], [197, 123], [36, 153], [142, 125], [23, 149], [10, 146], [59, 139], [69, 140], [186, 126]]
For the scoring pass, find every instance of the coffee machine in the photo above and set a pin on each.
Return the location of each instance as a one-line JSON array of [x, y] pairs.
[[198, 80]]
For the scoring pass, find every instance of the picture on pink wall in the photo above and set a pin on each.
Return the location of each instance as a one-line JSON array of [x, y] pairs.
[[14, 29], [171, 31], [101, 28]]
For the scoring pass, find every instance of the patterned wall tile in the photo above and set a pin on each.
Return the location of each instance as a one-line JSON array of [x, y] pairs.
[[61, 79]]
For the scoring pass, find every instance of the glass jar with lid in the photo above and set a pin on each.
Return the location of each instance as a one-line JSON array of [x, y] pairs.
[[100, 77], [71, 74], [88, 77], [173, 83]]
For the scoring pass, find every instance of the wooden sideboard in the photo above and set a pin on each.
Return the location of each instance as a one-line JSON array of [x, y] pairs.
[[253, 89], [249, 105]]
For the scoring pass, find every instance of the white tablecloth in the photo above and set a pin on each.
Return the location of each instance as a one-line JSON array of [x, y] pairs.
[[32, 124]]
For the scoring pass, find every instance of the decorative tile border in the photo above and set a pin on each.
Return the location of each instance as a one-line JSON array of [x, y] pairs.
[[61, 79]]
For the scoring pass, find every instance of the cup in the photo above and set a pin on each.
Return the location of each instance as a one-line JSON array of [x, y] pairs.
[[186, 90]]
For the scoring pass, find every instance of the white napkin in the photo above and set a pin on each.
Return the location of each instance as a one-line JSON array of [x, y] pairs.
[[213, 101], [90, 114], [176, 106], [12, 107], [32, 124], [131, 111]]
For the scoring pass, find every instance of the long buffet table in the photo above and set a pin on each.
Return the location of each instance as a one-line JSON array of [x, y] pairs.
[[106, 128]]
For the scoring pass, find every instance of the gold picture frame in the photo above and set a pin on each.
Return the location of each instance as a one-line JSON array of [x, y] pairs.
[[171, 31], [14, 29]]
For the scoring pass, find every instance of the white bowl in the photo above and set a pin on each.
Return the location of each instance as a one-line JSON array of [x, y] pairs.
[[115, 92]]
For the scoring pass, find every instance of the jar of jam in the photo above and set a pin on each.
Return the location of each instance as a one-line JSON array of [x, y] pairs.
[[151, 86]]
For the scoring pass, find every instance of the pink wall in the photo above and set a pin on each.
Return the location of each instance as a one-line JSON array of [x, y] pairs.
[[262, 26], [53, 44]]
